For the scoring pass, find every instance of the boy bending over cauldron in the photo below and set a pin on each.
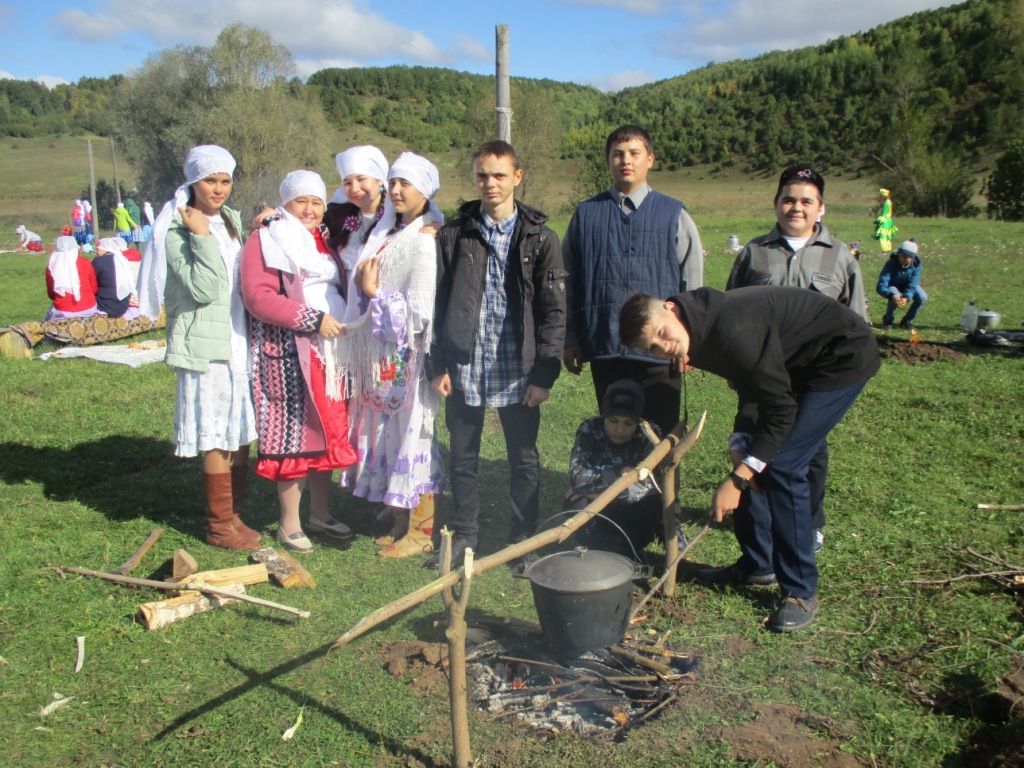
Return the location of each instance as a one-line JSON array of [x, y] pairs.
[[606, 447]]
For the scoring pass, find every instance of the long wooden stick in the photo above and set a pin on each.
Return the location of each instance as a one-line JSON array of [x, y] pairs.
[[1000, 506], [462, 755], [135, 559], [196, 586], [673, 442], [670, 570]]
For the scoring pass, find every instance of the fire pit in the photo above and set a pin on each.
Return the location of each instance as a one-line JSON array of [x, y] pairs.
[[601, 693]]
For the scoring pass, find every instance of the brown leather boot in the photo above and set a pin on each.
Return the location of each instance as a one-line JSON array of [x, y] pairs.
[[418, 539], [239, 478], [220, 516]]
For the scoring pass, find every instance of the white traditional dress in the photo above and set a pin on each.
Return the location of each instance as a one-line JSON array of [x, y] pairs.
[[392, 409]]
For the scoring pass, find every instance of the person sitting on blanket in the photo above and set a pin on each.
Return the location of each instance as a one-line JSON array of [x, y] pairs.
[[606, 447], [115, 278], [28, 240], [70, 282]]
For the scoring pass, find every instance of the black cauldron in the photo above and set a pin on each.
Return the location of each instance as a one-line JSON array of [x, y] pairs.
[[583, 597]]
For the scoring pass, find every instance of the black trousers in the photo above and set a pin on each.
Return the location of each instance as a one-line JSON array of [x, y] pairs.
[[660, 381], [465, 426]]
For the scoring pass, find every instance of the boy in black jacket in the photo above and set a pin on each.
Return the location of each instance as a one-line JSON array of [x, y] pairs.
[[798, 360], [499, 327]]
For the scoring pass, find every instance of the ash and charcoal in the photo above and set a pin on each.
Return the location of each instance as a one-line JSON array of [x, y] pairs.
[[602, 693]]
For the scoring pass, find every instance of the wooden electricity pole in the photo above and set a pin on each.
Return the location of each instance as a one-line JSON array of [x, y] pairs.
[[92, 196], [503, 88], [117, 184]]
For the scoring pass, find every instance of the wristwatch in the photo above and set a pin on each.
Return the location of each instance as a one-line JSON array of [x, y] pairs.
[[740, 482]]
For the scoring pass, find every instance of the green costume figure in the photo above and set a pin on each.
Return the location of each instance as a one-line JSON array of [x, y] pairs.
[[885, 230]]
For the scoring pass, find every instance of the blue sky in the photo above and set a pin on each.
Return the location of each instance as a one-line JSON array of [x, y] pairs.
[[610, 44]]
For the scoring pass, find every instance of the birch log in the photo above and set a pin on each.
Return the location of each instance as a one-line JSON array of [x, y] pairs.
[[163, 612]]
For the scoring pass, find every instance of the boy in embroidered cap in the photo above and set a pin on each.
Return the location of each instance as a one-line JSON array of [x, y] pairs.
[[900, 283], [606, 447]]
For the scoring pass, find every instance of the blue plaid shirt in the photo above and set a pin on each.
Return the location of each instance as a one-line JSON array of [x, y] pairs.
[[495, 372]]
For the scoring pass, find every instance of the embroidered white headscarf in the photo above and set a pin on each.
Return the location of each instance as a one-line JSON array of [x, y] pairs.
[[200, 162], [63, 267], [116, 246], [286, 244], [363, 160]]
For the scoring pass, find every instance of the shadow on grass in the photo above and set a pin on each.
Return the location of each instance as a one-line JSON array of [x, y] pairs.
[[268, 679], [120, 476]]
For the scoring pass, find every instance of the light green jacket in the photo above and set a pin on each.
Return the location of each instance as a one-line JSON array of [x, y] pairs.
[[196, 297]]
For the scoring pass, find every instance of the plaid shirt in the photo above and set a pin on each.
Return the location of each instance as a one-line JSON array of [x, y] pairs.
[[495, 372]]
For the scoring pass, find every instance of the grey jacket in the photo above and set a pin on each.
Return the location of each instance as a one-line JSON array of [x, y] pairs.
[[824, 265]]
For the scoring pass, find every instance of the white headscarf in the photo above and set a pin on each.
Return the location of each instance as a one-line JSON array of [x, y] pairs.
[[423, 175], [363, 160], [200, 162], [63, 267], [116, 246], [147, 210], [286, 244]]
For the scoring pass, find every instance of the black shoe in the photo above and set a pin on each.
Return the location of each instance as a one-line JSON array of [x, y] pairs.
[[459, 547], [907, 326], [522, 564], [794, 613], [731, 574], [886, 326], [819, 540]]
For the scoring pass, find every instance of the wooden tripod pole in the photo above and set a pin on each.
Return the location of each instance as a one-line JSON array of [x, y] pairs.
[[675, 442], [462, 754]]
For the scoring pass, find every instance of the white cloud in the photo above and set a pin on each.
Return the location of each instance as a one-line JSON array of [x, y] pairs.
[[743, 28], [50, 80], [639, 7], [471, 49], [616, 81], [310, 29]]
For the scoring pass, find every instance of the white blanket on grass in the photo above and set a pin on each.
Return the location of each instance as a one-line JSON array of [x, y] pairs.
[[134, 355]]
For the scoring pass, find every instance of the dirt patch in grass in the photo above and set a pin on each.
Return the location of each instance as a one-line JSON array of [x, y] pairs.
[[782, 735], [417, 663], [918, 353]]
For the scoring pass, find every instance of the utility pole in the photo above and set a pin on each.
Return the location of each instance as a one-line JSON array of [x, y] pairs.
[[92, 196], [117, 185], [503, 88]]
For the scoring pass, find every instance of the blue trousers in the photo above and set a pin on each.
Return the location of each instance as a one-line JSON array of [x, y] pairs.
[[774, 525], [918, 300]]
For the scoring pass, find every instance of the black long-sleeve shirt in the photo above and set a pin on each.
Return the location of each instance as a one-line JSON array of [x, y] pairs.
[[775, 343]]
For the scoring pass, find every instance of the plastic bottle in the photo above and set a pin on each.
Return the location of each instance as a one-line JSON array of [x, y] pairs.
[[969, 317]]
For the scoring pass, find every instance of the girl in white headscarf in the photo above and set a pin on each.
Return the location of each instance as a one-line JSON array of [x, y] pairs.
[[192, 265], [292, 286], [115, 279], [379, 359], [70, 282], [358, 204]]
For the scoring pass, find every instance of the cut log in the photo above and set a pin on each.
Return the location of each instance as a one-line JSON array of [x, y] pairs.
[[243, 574], [283, 568], [184, 564], [164, 612]]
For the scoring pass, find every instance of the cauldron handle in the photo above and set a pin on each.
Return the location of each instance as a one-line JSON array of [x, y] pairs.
[[636, 558]]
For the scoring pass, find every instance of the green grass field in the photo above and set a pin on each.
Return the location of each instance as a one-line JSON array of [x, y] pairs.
[[892, 674]]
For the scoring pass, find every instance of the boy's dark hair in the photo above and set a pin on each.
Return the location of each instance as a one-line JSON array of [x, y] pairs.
[[628, 133], [634, 316], [497, 148]]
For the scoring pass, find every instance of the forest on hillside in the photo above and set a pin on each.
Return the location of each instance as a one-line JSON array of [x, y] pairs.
[[932, 96]]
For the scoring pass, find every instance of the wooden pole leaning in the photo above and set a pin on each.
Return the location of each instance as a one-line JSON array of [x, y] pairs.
[[675, 443]]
